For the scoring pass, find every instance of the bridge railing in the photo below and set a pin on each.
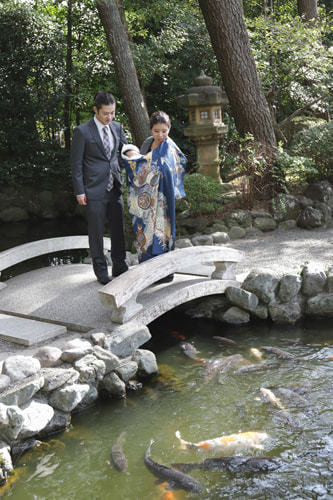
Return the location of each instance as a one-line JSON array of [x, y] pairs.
[[15, 255], [122, 292]]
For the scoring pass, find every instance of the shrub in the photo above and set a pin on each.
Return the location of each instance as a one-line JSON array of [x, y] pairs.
[[202, 196], [316, 143]]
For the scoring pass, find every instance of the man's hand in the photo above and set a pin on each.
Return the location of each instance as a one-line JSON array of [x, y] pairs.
[[81, 199]]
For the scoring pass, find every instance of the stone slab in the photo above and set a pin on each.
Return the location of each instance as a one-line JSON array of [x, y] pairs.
[[27, 331]]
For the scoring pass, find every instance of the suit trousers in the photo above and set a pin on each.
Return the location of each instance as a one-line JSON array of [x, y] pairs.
[[111, 208]]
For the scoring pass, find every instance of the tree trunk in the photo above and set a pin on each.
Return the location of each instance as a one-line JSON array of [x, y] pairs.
[[68, 85], [308, 10], [125, 70], [227, 30]]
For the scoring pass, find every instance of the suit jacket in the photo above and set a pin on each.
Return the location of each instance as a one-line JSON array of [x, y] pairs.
[[89, 163]]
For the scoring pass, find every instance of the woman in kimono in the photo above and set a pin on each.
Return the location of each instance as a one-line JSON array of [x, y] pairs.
[[155, 179]]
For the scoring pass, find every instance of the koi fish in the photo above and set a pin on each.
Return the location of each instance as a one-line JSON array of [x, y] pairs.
[[175, 478], [118, 458], [225, 340], [190, 351], [177, 335], [257, 367], [222, 365], [278, 352], [256, 353], [270, 397], [242, 439], [233, 464]]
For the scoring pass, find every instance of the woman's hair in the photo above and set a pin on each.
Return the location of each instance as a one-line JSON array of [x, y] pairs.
[[159, 117]]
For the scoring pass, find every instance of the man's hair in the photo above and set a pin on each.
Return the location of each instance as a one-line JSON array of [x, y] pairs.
[[159, 117], [103, 99]]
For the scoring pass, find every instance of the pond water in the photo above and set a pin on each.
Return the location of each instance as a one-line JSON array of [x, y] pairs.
[[73, 464]]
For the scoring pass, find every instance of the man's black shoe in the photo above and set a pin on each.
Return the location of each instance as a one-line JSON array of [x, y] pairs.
[[105, 280], [167, 279]]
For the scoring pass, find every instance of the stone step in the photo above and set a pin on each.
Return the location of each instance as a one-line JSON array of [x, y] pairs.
[[27, 331]]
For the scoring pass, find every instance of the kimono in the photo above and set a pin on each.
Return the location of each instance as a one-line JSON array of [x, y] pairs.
[[154, 182]]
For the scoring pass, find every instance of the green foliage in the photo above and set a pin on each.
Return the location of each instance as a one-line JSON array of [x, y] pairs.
[[316, 143], [202, 195], [296, 169]]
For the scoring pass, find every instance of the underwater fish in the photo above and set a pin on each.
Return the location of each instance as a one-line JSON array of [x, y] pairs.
[[190, 351], [257, 367], [177, 335], [225, 340], [233, 464], [222, 365], [118, 458], [278, 352], [176, 479], [291, 396], [256, 353], [242, 439], [270, 397]]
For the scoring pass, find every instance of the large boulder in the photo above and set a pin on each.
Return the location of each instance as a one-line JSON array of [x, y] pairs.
[[285, 313], [240, 218], [265, 224], [113, 385], [48, 356], [285, 207], [125, 339], [236, 232], [36, 416], [127, 370], [58, 422], [90, 368], [262, 283], [11, 421], [242, 298], [67, 398], [203, 239], [183, 243], [21, 392], [320, 191], [314, 280], [236, 316], [19, 367], [110, 360], [146, 360], [54, 378], [310, 218], [320, 306], [219, 237], [76, 349], [290, 285]]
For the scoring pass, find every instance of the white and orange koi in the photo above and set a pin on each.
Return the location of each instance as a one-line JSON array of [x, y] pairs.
[[256, 353], [270, 397], [242, 439]]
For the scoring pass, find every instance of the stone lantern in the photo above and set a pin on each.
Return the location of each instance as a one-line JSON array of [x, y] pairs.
[[204, 102]]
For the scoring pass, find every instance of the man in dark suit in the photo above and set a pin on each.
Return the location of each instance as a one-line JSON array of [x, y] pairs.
[[98, 183]]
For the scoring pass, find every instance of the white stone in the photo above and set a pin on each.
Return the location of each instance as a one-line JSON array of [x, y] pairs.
[[19, 367], [36, 416]]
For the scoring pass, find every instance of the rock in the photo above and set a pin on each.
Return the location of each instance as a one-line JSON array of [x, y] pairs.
[[20, 393], [111, 361], [127, 370], [68, 397], [134, 385], [127, 338], [325, 210], [48, 356], [19, 367], [36, 416], [203, 239], [287, 225], [310, 218], [183, 243], [320, 306], [265, 223], [260, 213], [236, 316], [236, 232], [114, 386], [90, 368], [240, 218], [98, 338], [252, 232], [5, 458], [262, 283], [285, 207], [207, 307], [329, 284], [314, 280], [14, 214], [285, 313], [89, 399], [54, 378], [219, 227], [76, 349], [198, 224], [58, 422], [290, 285], [220, 237], [320, 191], [146, 361], [4, 382], [241, 298], [11, 421], [261, 311]]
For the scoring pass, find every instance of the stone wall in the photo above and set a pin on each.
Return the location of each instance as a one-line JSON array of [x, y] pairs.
[[39, 394]]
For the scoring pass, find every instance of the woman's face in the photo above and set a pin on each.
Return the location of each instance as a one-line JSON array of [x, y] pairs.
[[160, 132]]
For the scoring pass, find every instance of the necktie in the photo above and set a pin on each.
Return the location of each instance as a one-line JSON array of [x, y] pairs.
[[107, 147]]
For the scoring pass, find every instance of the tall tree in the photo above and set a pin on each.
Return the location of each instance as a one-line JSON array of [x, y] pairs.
[[308, 9], [230, 40], [125, 70], [68, 84]]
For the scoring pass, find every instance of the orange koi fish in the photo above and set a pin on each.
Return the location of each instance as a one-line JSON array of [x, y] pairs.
[[242, 439], [178, 335]]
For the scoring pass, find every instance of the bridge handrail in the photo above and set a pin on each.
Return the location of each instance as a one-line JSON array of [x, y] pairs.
[[121, 293], [32, 249]]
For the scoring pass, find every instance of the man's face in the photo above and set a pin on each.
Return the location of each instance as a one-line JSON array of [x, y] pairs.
[[106, 113]]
